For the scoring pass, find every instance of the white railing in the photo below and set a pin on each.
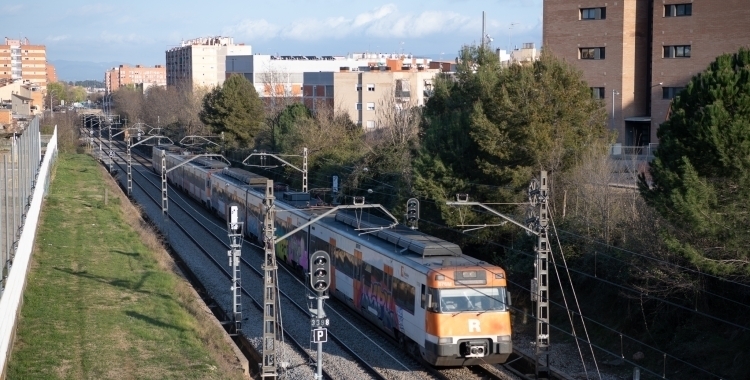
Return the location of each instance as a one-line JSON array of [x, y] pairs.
[[643, 152], [15, 282]]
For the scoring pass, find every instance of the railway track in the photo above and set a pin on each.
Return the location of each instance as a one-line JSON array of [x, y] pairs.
[[355, 330], [388, 367]]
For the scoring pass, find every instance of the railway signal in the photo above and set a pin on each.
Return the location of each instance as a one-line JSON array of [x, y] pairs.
[[412, 213], [320, 271], [234, 231]]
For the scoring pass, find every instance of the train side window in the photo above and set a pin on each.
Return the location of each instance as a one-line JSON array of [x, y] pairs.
[[424, 297], [366, 274]]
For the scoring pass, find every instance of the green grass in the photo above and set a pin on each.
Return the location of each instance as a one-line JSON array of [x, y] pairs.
[[99, 305]]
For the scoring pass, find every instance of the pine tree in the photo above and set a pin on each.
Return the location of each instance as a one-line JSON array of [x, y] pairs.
[[235, 109], [701, 173]]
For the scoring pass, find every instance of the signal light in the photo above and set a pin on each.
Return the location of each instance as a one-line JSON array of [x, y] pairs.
[[320, 271], [412, 212]]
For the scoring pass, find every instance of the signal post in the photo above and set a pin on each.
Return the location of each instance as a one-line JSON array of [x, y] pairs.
[[320, 280]]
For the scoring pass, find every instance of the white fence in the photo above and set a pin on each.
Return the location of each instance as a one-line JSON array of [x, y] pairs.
[[15, 282]]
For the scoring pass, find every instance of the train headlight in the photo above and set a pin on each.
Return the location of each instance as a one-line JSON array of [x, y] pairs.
[[448, 340]]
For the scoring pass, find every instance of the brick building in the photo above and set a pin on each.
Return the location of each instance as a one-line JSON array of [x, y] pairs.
[[19, 60], [123, 75], [637, 54]]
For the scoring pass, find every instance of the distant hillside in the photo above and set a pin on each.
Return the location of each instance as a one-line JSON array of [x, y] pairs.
[[78, 71]]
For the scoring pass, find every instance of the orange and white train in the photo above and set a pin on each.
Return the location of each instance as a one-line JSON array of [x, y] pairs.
[[441, 305]]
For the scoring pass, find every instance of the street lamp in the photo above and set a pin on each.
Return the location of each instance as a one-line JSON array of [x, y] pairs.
[[509, 32]]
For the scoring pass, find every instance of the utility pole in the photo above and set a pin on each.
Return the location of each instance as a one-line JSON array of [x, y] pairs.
[[536, 225], [320, 279], [234, 231], [270, 289], [539, 197]]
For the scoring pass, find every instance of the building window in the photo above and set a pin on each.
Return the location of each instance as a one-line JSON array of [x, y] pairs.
[[593, 13], [670, 92], [678, 10], [677, 51], [359, 106], [370, 87], [591, 53], [359, 86], [597, 92], [371, 106], [370, 124]]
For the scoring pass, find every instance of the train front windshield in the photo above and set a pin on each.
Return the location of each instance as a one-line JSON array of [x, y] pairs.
[[471, 299]]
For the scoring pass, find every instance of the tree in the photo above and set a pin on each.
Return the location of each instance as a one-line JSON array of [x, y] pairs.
[[235, 109], [55, 93], [489, 131], [701, 171]]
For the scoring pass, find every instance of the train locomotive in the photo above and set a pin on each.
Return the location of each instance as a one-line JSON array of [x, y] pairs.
[[440, 304]]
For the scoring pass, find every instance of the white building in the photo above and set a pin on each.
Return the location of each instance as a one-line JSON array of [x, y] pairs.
[[201, 61], [281, 75]]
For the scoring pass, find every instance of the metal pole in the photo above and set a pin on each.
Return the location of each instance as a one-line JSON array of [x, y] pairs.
[[234, 230], [6, 209], [304, 170], [109, 145], [542, 283], [130, 174], [321, 315], [4, 221], [14, 195], [270, 301], [164, 199]]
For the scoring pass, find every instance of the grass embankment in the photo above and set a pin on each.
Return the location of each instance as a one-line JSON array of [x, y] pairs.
[[103, 300]]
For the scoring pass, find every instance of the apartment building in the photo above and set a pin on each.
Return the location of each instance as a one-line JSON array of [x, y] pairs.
[[138, 75], [51, 73], [20, 60], [22, 98], [637, 55], [201, 61], [362, 92]]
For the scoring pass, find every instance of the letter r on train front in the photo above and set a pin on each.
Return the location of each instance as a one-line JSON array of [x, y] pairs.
[[474, 325]]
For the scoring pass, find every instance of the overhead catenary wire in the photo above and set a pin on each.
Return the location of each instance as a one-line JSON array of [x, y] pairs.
[[588, 318]]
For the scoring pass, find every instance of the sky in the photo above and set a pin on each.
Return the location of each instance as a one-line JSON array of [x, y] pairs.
[[140, 31]]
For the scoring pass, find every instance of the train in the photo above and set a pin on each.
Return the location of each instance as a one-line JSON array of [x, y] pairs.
[[438, 303]]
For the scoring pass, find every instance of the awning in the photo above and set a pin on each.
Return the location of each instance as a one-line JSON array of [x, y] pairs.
[[639, 119]]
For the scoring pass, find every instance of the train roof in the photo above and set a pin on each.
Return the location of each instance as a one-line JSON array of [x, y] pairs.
[[414, 248], [244, 177], [412, 240]]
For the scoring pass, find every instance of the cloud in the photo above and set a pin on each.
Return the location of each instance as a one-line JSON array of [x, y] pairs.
[[253, 29], [376, 14], [57, 38], [89, 9], [424, 24], [108, 37], [385, 21], [10, 9]]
